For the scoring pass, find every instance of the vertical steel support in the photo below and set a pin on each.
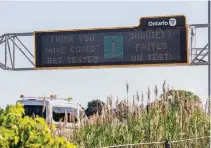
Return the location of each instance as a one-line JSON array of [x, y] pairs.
[[209, 65], [13, 64], [5, 54]]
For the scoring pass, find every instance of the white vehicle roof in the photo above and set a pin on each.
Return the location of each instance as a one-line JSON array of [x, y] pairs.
[[51, 101]]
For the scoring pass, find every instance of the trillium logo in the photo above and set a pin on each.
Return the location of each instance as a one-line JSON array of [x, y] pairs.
[[172, 21]]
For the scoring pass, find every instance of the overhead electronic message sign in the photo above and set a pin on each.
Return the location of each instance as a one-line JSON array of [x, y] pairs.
[[113, 47]]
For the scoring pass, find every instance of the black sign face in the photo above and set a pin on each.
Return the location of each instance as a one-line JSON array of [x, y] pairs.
[[163, 22], [123, 46]]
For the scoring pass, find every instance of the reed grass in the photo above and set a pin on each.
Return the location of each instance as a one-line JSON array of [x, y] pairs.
[[172, 118]]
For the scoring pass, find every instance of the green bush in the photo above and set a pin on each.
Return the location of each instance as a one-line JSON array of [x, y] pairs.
[[24, 132]]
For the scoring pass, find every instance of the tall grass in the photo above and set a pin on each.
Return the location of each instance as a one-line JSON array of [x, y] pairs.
[[165, 118]]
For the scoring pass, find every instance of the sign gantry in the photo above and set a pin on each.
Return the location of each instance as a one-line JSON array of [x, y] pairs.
[[156, 41]]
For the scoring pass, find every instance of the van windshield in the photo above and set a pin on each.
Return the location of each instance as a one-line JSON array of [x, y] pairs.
[[34, 109], [59, 114]]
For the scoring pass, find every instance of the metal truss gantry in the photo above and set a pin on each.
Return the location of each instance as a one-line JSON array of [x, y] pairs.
[[198, 55], [11, 44]]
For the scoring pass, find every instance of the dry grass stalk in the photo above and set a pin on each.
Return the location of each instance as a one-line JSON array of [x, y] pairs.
[[169, 117]]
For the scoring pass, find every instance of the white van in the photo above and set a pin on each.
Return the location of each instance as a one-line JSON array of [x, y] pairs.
[[52, 109]]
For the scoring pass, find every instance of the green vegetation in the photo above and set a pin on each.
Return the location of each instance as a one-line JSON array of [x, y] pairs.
[[18, 132], [175, 115]]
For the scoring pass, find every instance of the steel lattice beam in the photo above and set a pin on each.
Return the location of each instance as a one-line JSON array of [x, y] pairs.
[[12, 44], [198, 55]]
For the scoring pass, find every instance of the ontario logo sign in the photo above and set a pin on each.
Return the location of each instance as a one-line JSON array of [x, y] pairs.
[[172, 22]]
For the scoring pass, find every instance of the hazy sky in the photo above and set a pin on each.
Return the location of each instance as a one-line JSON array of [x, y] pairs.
[[87, 84]]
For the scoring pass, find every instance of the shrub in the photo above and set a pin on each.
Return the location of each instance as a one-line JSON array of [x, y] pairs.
[[24, 132], [94, 106]]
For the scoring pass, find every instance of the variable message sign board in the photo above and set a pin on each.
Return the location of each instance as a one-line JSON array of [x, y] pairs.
[[111, 47]]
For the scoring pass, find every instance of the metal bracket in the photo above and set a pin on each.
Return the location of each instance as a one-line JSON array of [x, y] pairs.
[[12, 43]]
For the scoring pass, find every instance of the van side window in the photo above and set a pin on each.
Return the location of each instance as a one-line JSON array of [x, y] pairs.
[[34, 109], [59, 114]]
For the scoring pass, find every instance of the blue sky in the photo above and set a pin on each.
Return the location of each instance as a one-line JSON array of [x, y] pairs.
[[87, 84]]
